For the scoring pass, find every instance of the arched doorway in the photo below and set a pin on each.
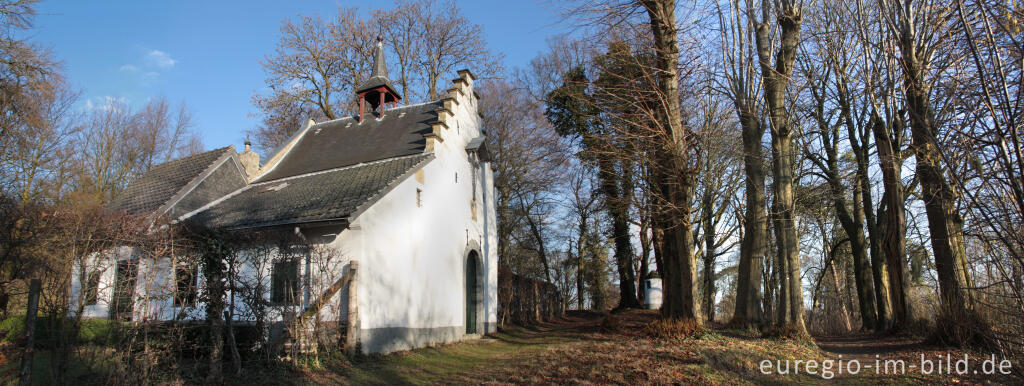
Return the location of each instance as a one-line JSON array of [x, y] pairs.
[[474, 303]]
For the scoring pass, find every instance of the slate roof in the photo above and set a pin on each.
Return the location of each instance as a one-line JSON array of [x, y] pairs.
[[347, 141], [321, 196], [379, 81], [163, 181], [226, 178]]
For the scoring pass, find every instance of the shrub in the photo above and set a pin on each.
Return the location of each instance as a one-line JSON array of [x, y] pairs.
[[610, 323], [665, 328]]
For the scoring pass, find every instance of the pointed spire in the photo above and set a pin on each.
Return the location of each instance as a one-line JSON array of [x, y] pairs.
[[379, 76], [380, 68]]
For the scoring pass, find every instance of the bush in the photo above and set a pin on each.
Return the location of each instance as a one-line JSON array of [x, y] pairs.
[[611, 323], [663, 328]]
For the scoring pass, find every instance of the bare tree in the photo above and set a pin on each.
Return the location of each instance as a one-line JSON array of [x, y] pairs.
[[117, 144], [743, 87], [920, 30], [447, 40], [675, 180], [318, 64], [583, 208], [992, 128], [827, 122], [528, 172], [720, 178], [31, 167], [885, 120], [775, 76]]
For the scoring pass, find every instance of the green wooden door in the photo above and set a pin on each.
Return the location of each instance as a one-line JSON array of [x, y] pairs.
[[471, 295]]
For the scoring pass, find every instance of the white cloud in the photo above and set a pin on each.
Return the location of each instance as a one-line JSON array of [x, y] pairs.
[[105, 103], [128, 68], [160, 59]]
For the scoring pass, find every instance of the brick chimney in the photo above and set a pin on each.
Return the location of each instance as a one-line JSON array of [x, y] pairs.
[[250, 160]]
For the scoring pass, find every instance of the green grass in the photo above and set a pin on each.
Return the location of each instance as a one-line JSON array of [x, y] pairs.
[[576, 350], [434, 364], [48, 329]]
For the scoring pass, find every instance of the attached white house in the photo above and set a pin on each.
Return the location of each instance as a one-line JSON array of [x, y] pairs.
[[404, 194]]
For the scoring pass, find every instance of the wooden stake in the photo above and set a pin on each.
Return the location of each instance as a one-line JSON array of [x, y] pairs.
[[352, 333], [30, 327]]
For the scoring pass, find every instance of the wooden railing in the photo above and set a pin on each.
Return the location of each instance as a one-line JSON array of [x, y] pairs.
[[307, 315]]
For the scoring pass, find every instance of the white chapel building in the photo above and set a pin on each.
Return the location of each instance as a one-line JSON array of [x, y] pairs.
[[403, 194]]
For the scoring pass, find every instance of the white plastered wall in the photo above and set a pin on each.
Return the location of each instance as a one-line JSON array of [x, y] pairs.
[[414, 249]]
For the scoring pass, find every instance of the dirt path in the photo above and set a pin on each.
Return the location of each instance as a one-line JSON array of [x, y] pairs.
[[865, 345], [873, 351]]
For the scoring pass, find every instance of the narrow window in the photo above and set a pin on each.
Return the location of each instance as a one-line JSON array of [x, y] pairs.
[[284, 287], [456, 177], [185, 278], [92, 288], [124, 290], [419, 197]]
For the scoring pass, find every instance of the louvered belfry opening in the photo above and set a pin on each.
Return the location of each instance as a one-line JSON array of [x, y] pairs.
[[377, 91]]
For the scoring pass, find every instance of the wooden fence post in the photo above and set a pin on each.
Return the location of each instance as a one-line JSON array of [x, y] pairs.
[[352, 331], [30, 330]]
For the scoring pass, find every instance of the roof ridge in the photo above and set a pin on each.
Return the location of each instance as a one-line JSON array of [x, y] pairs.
[[388, 110], [124, 199], [214, 203], [188, 157], [228, 153], [361, 164], [362, 186]]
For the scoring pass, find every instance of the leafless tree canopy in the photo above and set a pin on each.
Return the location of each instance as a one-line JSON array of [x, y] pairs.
[[319, 62]]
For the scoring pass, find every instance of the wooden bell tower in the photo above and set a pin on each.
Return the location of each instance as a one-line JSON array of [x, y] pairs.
[[377, 91]]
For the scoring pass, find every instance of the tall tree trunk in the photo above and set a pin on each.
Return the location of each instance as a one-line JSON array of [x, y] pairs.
[[862, 266], [893, 240], [748, 312], [541, 250], [781, 275], [776, 80], [214, 268], [680, 285], [864, 211], [581, 251], [843, 313], [945, 226], [708, 221], [645, 253], [677, 180], [879, 268], [618, 210], [852, 223]]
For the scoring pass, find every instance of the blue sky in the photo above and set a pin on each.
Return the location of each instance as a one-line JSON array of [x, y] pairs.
[[207, 53]]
